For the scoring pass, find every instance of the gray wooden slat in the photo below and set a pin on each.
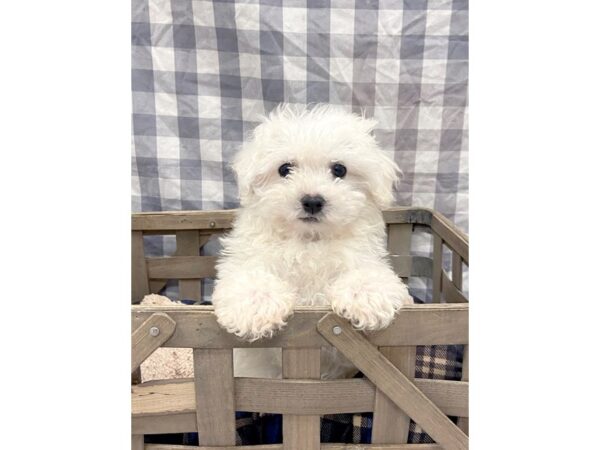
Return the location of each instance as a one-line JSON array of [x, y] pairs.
[[390, 423], [290, 396], [183, 220], [182, 267], [304, 397], [437, 268], [301, 432], [221, 220], [399, 238], [165, 424], [139, 273], [428, 324], [463, 422], [400, 214], [143, 343], [215, 403], [188, 244], [457, 271]]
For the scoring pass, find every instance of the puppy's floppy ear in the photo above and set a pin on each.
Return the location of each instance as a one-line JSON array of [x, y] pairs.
[[246, 165], [384, 179], [384, 173], [242, 165]]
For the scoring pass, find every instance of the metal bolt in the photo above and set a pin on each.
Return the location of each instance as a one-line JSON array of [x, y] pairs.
[[337, 330], [154, 331], [212, 224]]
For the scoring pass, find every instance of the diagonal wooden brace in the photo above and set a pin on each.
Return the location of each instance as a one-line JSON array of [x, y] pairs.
[[392, 382], [150, 335]]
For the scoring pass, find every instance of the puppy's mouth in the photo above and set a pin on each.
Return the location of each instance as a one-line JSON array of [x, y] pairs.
[[310, 219]]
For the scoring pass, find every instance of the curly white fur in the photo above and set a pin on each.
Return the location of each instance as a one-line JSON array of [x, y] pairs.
[[273, 260]]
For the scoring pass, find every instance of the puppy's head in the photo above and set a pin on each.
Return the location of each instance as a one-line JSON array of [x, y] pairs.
[[314, 170]]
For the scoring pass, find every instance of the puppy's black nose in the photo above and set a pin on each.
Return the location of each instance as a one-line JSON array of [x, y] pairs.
[[312, 204]]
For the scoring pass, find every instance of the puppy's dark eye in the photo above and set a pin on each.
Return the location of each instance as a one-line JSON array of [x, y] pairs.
[[338, 170], [285, 169]]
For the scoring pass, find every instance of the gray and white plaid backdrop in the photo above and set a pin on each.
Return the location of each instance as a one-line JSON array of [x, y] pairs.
[[204, 70]]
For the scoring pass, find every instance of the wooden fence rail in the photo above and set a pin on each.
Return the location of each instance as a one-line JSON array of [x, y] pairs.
[[429, 324]]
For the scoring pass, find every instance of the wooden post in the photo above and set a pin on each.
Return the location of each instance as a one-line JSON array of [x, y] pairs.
[[437, 268], [457, 280], [188, 244], [139, 274], [463, 422], [399, 240], [457, 273], [215, 403], [390, 423], [301, 432]]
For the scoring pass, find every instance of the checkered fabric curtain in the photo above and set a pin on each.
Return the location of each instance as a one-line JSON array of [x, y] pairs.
[[203, 71]]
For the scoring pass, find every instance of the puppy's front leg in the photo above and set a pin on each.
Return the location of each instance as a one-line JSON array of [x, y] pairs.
[[369, 297], [252, 303]]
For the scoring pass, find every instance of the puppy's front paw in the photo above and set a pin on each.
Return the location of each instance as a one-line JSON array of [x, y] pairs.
[[253, 306], [260, 316], [368, 298]]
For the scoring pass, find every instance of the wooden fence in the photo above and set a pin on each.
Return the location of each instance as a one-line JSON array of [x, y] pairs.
[[207, 403]]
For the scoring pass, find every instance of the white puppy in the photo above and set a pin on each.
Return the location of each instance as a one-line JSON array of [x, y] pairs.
[[310, 231]]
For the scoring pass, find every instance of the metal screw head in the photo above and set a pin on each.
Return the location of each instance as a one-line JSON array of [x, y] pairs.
[[154, 331], [212, 224], [337, 330]]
